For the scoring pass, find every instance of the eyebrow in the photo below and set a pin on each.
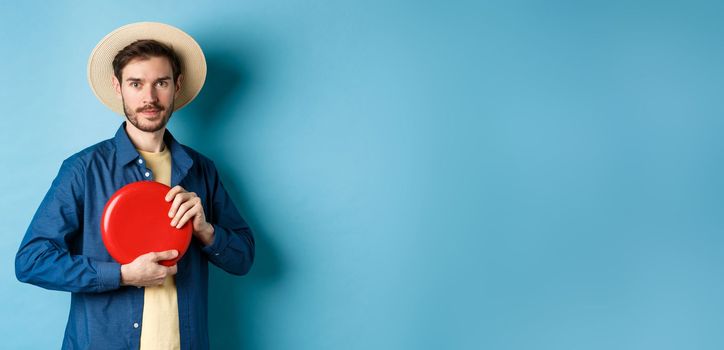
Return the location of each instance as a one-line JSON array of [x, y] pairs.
[[159, 79]]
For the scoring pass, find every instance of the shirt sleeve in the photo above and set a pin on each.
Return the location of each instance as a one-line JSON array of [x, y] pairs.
[[233, 246], [44, 258]]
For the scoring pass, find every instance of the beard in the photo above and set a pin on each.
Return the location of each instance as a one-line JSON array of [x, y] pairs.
[[147, 125]]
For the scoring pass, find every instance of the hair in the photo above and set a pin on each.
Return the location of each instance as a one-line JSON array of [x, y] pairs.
[[145, 49]]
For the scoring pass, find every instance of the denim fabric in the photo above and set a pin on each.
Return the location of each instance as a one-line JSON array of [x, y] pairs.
[[63, 249]]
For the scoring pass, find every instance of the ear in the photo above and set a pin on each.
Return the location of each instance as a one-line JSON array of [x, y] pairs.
[[117, 86], [179, 81]]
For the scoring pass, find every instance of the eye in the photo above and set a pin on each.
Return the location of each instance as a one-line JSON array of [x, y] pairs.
[[135, 84], [162, 83]]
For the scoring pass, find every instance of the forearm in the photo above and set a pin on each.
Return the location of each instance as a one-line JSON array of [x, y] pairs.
[[46, 265], [231, 250], [206, 237], [232, 247]]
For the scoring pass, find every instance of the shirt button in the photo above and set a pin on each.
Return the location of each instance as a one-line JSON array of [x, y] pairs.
[[147, 174], [140, 161], [135, 325], [216, 253]]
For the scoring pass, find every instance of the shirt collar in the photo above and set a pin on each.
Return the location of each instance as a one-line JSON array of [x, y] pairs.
[[126, 152]]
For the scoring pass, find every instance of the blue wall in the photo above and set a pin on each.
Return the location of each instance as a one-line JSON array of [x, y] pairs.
[[419, 174]]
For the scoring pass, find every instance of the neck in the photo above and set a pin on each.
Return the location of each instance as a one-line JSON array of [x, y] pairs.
[[146, 141]]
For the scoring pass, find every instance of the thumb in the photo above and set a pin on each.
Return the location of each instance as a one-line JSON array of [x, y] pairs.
[[166, 255]]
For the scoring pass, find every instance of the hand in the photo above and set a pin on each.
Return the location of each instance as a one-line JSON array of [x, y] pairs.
[[187, 206], [145, 271]]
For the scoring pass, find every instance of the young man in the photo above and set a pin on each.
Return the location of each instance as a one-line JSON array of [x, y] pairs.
[[144, 71]]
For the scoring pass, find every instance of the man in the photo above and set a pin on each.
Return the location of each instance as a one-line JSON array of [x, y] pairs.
[[145, 71]]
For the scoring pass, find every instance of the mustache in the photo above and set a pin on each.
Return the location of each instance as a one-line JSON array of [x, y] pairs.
[[149, 107]]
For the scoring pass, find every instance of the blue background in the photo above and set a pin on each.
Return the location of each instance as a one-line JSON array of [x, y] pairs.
[[418, 174]]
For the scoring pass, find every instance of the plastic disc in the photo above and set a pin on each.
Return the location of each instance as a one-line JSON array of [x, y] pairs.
[[135, 222]]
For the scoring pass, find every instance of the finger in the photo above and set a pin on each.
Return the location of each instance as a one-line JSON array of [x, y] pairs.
[[172, 270], [188, 215], [165, 255], [152, 257], [180, 199], [177, 200], [172, 192], [183, 208], [180, 213], [148, 256]]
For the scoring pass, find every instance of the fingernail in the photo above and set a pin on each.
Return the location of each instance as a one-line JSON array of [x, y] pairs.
[[173, 223], [170, 214]]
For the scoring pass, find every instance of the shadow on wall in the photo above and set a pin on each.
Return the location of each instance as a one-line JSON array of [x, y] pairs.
[[233, 301]]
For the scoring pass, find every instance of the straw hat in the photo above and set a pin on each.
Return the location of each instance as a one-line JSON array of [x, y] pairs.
[[100, 62]]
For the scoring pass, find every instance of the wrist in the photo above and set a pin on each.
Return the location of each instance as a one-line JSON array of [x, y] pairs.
[[206, 235], [127, 276], [124, 272]]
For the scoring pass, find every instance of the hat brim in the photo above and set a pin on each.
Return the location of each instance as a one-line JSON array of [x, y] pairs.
[[100, 62]]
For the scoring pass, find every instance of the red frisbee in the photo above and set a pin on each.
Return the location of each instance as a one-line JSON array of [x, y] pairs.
[[135, 222]]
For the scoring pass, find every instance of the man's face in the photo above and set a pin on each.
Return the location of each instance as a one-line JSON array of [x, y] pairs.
[[147, 92]]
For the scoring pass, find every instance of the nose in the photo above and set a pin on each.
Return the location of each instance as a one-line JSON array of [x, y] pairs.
[[149, 94]]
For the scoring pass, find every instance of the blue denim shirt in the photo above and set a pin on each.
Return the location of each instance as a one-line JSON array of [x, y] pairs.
[[63, 249]]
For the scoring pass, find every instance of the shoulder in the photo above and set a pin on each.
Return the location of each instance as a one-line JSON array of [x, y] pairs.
[[200, 160], [101, 151], [72, 174]]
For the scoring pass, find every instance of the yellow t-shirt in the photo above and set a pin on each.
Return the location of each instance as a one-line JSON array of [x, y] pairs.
[[160, 325]]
